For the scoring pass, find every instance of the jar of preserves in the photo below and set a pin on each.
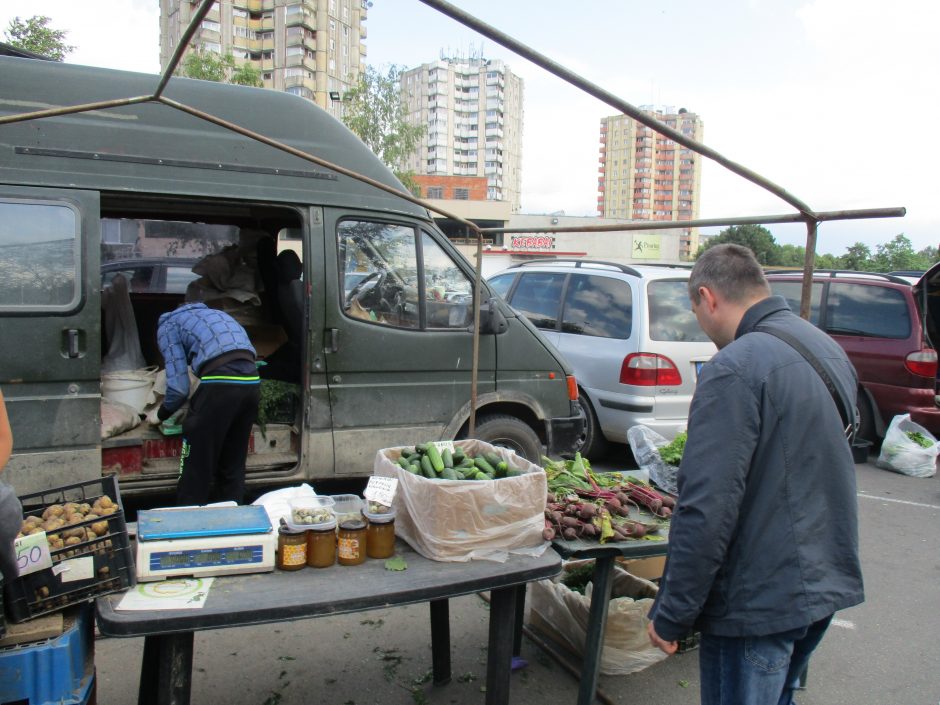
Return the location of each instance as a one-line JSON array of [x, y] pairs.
[[351, 542], [380, 535], [321, 545], [291, 549]]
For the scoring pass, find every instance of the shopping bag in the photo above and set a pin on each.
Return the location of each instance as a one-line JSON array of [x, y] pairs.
[[902, 453]]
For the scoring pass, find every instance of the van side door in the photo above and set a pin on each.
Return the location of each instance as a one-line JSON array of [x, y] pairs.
[[399, 317], [51, 344]]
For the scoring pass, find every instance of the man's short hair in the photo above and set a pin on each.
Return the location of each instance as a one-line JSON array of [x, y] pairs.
[[731, 270]]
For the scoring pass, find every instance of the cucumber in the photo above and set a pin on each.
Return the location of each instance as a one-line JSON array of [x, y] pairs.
[[407, 451], [466, 463], [514, 473], [449, 474], [435, 455], [421, 448], [459, 455], [502, 467], [403, 462], [415, 468], [492, 458], [426, 468], [484, 465], [448, 458]]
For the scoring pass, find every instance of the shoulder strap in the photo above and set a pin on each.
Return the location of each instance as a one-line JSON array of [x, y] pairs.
[[848, 416]]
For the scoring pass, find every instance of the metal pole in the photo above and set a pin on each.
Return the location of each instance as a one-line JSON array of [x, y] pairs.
[[477, 293], [808, 264]]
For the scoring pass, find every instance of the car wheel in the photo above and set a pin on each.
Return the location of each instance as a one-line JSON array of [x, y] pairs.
[[866, 419], [592, 444], [509, 432]]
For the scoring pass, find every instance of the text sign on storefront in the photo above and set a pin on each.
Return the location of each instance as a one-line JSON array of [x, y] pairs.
[[532, 242]]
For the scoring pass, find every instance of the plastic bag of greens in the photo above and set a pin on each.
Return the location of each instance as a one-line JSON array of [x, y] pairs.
[[908, 448], [646, 444]]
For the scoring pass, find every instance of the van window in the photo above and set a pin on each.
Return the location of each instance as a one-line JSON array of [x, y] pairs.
[[39, 262], [866, 309], [378, 265], [538, 298], [671, 317], [449, 291], [500, 285], [598, 306], [792, 291]]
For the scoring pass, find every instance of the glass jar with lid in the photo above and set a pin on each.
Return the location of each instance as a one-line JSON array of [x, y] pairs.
[[380, 533], [291, 549], [321, 545], [351, 542]]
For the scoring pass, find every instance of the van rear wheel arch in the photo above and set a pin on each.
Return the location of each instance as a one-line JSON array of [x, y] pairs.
[[508, 432]]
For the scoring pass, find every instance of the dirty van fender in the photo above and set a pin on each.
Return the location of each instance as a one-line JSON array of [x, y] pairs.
[[520, 407]]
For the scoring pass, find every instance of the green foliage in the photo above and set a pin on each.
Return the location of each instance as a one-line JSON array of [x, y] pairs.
[[672, 452], [36, 36], [375, 111], [207, 65]]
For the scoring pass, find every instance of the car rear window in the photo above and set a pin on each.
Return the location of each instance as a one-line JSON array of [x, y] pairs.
[[538, 298], [598, 306], [867, 309], [671, 317]]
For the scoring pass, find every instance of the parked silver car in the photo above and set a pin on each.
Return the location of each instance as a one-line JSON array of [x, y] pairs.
[[628, 332]]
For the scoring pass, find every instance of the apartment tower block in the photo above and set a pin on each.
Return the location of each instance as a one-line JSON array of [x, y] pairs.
[[473, 111], [311, 48], [645, 176]]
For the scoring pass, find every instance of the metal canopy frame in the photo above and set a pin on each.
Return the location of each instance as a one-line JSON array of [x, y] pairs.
[[803, 212]]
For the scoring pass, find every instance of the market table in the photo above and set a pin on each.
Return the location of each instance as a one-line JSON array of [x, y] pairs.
[[604, 556], [242, 600]]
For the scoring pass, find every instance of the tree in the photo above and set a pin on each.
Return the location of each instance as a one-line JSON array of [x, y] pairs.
[[375, 111], [755, 237], [857, 257], [209, 66], [34, 35]]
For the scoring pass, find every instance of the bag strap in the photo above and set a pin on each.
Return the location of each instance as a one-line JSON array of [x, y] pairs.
[[848, 418]]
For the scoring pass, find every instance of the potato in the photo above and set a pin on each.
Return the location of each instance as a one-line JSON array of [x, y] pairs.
[[72, 540], [84, 507], [78, 533], [70, 507], [53, 510], [100, 528], [106, 501]]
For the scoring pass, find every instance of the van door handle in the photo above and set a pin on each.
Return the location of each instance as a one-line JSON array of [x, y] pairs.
[[334, 340], [72, 343]]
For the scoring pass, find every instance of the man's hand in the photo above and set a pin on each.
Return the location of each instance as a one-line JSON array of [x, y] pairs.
[[667, 647]]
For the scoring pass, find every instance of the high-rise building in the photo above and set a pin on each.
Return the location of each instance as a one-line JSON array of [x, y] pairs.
[[311, 48], [645, 176], [473, 111]]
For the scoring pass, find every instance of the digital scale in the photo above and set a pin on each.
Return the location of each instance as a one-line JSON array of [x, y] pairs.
[[204, 541]]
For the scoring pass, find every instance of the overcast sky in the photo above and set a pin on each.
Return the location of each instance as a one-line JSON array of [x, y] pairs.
[[831, 99]]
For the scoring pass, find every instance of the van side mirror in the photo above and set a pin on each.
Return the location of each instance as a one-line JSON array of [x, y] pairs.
[[492, 320]]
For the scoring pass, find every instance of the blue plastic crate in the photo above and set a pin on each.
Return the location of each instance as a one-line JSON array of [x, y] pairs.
[[60, 670]]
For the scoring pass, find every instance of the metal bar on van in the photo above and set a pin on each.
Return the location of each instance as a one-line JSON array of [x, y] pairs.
[[70, 109], [194, 24], [623, 106]]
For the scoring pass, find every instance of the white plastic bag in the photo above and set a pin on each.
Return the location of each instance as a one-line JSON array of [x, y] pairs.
[[277, 502], [902, 454], [645, 444]]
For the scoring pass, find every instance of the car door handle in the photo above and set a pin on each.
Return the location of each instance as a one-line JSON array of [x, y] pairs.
[[72, 346], [333, 345]]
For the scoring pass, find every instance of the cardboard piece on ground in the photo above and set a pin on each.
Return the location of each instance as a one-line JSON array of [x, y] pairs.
[[46, 627]]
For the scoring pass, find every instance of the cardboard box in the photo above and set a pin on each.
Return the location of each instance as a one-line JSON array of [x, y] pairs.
[[647, 568]]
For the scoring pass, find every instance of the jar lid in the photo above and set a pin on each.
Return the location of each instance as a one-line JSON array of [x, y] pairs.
[[289, 530], [325, 526], [352, 525]]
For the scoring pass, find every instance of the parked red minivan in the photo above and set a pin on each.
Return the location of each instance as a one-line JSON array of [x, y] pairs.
[[885, 327]]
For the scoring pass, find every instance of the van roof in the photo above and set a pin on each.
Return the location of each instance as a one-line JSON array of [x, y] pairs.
[[155, 148]]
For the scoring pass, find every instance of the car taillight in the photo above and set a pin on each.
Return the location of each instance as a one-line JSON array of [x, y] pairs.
[[572, 388], [922, 363], [649, 370]]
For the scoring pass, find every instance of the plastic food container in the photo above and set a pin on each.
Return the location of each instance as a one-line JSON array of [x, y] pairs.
[[310, 512], [346, 507]]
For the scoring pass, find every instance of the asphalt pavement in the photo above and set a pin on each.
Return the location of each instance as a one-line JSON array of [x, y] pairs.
[[878, 653]]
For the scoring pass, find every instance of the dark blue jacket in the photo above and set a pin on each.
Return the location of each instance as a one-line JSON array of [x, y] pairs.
[[192, 336], [765, 534]]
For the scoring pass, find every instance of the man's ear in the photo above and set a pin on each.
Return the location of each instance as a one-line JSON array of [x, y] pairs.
[[708, 298]]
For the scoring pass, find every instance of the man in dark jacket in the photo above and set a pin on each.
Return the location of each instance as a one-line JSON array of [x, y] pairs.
[[222, 410], [763, 547]]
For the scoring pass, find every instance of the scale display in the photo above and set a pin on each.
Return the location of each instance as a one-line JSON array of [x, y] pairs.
[[200, 558]]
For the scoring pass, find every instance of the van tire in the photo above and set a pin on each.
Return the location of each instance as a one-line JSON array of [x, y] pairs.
[[509, 432], [866, 419], [593, 443]]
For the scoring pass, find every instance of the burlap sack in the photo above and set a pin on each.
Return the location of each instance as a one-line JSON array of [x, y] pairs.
[[461, 520]]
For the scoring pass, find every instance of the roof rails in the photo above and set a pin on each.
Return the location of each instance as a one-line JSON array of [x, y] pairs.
[[597, 264], [835, 273]]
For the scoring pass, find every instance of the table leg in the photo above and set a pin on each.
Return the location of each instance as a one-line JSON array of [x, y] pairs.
[[499, 652], [520, 619], [167, 670], [597, 622], [440, 641]]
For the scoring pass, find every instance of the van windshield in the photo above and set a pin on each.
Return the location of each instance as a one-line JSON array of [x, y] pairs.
[[670, 313]]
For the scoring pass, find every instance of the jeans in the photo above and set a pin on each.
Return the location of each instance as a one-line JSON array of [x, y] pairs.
[[762, 670]]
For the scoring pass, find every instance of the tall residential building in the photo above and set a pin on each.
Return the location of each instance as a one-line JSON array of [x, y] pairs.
[[473, 111], [645, 176], [311, 48]]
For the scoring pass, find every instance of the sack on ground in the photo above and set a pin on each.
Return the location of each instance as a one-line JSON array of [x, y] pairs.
[[461, 520], [901, 453], [562, 614], [645, 444]]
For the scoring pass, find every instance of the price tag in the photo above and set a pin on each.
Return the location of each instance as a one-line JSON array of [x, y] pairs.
[[381, 490], [82, 568], [445, 445], [32, 553]]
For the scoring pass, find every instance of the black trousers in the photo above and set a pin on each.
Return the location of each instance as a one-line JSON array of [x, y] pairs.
[[215, 443]]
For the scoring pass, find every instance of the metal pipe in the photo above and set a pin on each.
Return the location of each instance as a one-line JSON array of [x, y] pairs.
[[623, 106], [809, 263], [182, 46], [69, 110]]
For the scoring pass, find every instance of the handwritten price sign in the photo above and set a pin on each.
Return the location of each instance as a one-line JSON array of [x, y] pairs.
[[32, 553]]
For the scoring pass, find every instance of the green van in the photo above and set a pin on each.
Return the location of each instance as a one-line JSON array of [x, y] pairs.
[[381, 315]]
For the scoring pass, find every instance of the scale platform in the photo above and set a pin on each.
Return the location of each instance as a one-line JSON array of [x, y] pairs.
[[204, 541]]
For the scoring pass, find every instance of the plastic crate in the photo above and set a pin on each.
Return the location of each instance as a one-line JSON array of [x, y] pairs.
[[112, 568], [60, 670]]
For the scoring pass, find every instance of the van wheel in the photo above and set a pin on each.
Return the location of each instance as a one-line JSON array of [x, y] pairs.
[[866, 419], [592, 443], [509, 432]]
